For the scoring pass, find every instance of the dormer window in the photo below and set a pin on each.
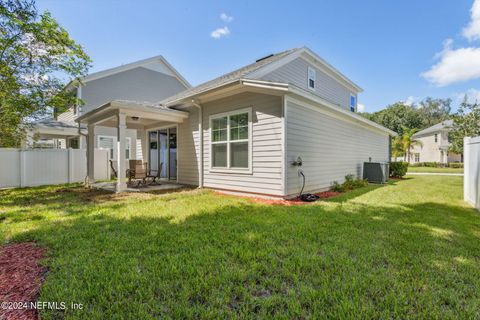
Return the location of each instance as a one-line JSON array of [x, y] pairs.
[[353, 103], [312, 77]]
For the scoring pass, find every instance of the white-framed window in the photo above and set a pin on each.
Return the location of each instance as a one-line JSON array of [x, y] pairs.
[[417, 157], [353, 103], [436, 137], [231, 141], [312, 78], [110, 143]]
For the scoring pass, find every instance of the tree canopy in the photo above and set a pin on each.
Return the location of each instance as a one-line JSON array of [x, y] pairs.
[[466, 123], [37, 59], [400, 116]]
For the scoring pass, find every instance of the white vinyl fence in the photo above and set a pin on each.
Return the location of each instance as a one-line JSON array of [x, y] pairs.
[[471, 178], [34, 167]]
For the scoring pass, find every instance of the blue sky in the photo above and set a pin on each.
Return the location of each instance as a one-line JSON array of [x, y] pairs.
[[395, 50]]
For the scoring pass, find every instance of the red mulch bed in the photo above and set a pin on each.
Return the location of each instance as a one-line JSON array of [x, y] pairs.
[[288, 202], [21, 276]]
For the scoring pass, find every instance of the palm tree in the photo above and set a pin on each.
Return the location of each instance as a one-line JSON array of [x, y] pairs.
[[408, 142]]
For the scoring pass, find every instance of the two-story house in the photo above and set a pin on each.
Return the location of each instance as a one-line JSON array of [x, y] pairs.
[[432, 145], [252, 130]]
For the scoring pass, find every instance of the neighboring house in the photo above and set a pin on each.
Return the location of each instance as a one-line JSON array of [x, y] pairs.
[[433, 145], [242, 131], [150, 80]]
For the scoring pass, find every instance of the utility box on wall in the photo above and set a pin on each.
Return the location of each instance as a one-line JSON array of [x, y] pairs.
[[375, 172]]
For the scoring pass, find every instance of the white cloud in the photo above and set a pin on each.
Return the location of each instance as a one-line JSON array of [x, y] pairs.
[[454, 65], [360, 107], [411, 100], [220, 32], [472, 31], [226, 18]]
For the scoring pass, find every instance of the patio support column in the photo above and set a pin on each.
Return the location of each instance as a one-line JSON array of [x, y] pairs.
[[121, 152], [91, 155]]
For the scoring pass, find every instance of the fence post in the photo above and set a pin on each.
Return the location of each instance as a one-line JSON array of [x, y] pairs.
[[70, 165], [466, 168], [22, 168]]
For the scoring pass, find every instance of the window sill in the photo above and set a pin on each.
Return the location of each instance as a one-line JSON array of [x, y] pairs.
[[232, 171]]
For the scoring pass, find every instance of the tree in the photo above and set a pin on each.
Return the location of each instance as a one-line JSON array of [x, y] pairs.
[[397, 147], [408, 142], [37, 57], [466, 123], [434, 111], [397, 117]]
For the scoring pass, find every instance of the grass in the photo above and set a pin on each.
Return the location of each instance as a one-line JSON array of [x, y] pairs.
[[409, 249], [435, 170]]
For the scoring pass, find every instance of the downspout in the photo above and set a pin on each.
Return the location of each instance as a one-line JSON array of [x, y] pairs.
[[200, 134]]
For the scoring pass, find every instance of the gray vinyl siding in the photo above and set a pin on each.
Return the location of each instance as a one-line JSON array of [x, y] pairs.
[[139, 84], [329, 147], [326, 87], [267, 131], [188, 148]]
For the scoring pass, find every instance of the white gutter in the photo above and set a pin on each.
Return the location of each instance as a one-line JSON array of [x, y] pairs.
[[200, 135]]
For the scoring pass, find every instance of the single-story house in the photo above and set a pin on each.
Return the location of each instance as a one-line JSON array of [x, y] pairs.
[[245, 131], [433, 144]]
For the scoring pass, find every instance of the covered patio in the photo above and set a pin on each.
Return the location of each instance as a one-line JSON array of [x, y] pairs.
[[123, 115]]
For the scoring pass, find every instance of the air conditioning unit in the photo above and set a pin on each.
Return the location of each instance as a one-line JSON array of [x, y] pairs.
[[376, 172]]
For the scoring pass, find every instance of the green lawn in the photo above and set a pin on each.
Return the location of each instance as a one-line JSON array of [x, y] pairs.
[[406, 250], [435, 170]]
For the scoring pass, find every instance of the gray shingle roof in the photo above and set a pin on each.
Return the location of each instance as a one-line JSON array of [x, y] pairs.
[[52, 123], [238, 74], [435, 128]]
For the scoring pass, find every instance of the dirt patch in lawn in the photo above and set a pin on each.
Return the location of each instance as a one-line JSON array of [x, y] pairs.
[[21, 276]]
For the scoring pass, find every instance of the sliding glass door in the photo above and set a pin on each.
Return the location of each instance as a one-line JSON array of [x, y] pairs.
[[162, 152]]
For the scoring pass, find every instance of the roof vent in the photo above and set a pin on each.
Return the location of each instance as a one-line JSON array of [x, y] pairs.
[[266, 57]]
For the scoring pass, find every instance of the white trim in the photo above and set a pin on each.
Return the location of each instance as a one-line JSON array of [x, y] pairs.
[[284, 144], [356, 103], [313, 72], [158, 145], [132, 108], [228, 142]]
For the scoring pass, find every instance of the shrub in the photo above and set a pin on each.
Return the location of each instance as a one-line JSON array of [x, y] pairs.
[[398, 169], [350, 183], [426, 164], [337, 187], [455, 165]]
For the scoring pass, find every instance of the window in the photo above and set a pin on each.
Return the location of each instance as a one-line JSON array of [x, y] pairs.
[[417, 157], [436, 137], [353, 103], [312, 77], [109, 143], [230, 143]]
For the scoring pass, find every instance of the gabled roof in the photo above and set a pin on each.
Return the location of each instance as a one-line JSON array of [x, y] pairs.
[[444, 125], [256, 70], [227, 78], [156, 63]]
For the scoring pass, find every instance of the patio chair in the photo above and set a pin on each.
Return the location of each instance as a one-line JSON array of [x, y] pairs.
[[155, 174], [137, 172]]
